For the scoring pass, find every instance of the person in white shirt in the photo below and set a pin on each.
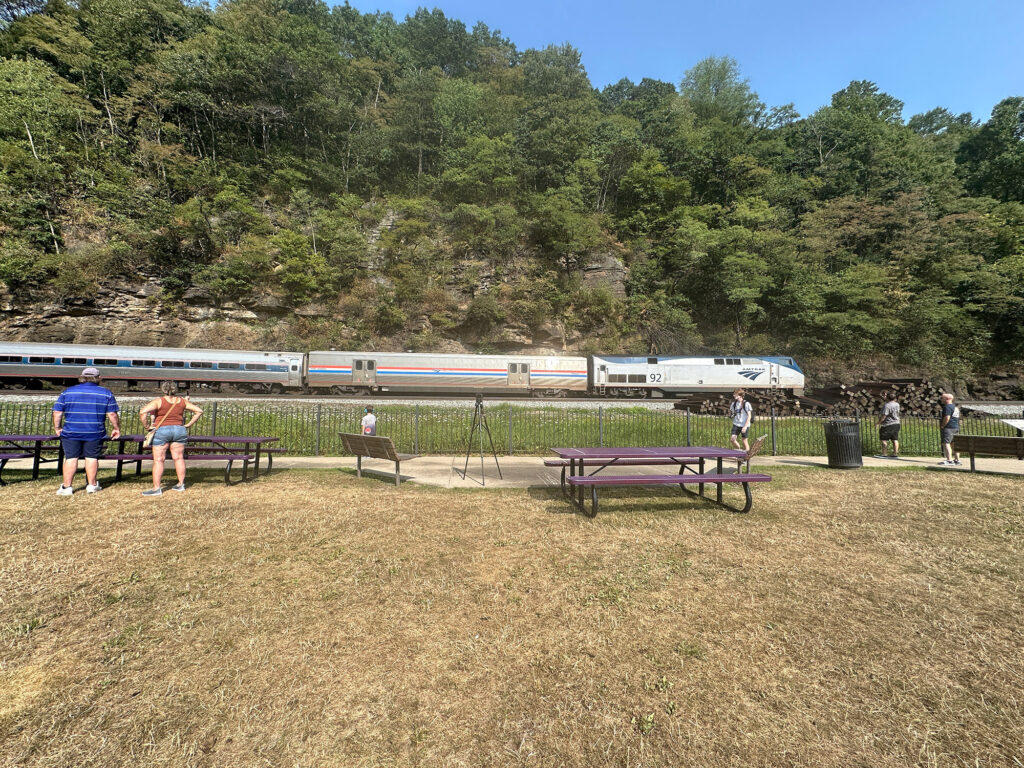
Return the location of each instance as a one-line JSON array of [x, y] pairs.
[[368, 424], [741, 413]]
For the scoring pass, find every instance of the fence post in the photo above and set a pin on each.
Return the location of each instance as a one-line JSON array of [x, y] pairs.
[[416, 431], [775, 450], [510, 430], [319, 416], [600, 425], [213, 419], [688, 440]]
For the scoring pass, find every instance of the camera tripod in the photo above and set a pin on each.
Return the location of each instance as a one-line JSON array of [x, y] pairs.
[[480, 425]]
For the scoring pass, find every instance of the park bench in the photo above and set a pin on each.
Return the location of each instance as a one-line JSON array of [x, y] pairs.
[[988, 446], [375, 447], [595, 481]]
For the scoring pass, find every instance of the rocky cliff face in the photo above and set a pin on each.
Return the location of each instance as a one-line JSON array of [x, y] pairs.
[[124, 313], [128, 315]]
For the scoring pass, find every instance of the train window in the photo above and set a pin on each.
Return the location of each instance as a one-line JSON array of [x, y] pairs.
[[616, 378], [42, 359], [359, 365], [734, 361], [74, 361], [10, 358], [228, 366], [144, 363], [200, 364], [637, 378], [370, 365], [719, 361], [104, 361], [295, 366], [652, 361], [172, 364], [255, 367]]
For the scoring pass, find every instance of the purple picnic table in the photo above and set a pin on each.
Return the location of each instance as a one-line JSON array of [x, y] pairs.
[[227, 443], [683, 455]]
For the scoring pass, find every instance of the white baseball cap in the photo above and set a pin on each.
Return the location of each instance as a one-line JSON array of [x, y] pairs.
[[90, 371]]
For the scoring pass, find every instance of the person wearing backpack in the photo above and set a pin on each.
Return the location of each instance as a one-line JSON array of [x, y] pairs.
[[742, 415]]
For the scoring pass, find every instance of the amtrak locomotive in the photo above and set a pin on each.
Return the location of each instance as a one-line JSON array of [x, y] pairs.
[[24, 366]]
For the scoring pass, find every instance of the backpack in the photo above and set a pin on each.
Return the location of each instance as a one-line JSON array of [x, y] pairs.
[[746, 404]]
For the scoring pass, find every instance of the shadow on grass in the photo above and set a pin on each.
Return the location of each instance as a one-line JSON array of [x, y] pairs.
[[379, 476]]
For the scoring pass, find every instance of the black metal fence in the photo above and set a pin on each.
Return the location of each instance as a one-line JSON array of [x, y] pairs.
[[312, 429]]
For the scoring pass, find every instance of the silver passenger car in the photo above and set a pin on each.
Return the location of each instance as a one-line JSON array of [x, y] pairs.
[[23, 364], [347, 372]]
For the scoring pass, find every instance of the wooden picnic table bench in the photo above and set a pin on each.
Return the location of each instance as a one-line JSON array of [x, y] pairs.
[[988, 446], [375, 447]]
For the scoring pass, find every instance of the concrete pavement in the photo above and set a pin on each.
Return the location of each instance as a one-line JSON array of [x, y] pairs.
[[529, 471]]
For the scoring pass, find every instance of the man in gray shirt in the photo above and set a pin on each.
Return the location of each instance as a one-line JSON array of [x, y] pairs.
[[889, 428]]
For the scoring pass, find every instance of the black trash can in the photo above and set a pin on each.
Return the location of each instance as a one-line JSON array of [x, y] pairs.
[[842, 441]]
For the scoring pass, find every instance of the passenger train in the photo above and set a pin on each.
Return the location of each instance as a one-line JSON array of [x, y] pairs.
[[25, 366]]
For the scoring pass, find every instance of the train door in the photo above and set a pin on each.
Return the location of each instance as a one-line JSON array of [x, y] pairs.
[[364, 372], [773, 375], [518, 375], [294, 371]]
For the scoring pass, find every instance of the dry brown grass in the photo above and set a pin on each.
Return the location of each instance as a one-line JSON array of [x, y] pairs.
[[312, 619]]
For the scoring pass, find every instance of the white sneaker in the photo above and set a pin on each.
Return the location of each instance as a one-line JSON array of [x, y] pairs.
[[93, 488], [65, 490], [945, 463]]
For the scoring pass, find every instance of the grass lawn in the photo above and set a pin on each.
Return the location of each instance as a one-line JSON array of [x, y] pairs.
[[868, 618]]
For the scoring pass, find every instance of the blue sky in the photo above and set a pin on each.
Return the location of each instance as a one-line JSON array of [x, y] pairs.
[[965, 56]]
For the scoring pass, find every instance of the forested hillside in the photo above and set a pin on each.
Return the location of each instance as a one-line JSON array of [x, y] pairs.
[[419, 183]]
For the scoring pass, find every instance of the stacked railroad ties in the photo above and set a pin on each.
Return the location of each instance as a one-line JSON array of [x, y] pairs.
[[916, 397]]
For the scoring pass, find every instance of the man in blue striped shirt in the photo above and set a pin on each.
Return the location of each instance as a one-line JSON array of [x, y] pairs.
[[84, 409]]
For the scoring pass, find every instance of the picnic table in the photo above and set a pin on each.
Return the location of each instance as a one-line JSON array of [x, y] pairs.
[[225, 448], [28, 447], [685, 457]]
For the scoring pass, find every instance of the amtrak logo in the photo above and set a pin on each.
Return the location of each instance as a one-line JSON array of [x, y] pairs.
[[751, 374]]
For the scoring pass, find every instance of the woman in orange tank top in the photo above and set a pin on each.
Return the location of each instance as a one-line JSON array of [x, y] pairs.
[[167, 415]]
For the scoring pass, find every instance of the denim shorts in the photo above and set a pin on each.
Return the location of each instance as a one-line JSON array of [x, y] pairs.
[[75, 448], [948, 434], [165, 435], [739, 430]]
